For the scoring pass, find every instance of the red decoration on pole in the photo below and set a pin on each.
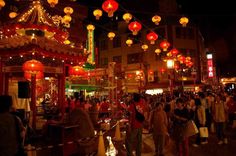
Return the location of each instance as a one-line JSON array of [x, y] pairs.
[[33, 67], [164, 45], [38, 76], [110, 6], [135, 27], [152, 37]]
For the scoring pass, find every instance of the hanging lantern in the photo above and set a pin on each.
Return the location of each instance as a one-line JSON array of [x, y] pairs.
[[67, 42], [111, 35], [2, 4], [152, 37], [183, 21], [181, 59], [76, 71], [127, 17], [156, 19], [33, 67], [135, 27], [188, 58], [110, 6], [38, 76], [174, 51], [158, 51], [164, 45], [12, 14], [144, 47], [190, 64], [168, 54], [68, 10], [129, 42], [52, 3], [97, 13], [67, 19], [90, 27]]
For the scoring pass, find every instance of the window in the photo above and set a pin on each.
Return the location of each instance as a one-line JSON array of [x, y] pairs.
[[117, 42], [134, 58], [103, 45], [117, 59], [104, 62]]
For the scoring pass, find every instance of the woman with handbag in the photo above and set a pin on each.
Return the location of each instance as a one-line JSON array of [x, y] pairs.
[[200, 121]]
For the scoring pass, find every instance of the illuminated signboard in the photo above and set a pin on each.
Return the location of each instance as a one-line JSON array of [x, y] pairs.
[[210, 66]]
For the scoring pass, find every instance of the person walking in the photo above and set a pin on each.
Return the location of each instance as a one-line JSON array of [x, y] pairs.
[[134, 128], [200, 121], [219, 111], [180, 119], [159, 124]]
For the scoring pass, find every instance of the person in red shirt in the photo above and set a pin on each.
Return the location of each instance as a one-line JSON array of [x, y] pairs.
[[134, 129], [104, 109]]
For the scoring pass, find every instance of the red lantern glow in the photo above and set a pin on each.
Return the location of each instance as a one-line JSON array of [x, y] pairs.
[[39, 75], [33, 67], [174, 51], [164, 45], [135, 27], [152, 37], [77, 71], [110, 6]]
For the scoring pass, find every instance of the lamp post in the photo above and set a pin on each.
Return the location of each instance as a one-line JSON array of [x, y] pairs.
[[170, 65]]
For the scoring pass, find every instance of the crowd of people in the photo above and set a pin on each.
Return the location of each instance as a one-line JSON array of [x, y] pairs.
[[166, 116]]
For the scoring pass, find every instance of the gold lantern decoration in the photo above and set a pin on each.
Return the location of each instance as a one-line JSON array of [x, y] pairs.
[[68, 10], [90, 27], [111, 35], [12, 14], [52, 3], [67, 19], [127, 17], [97, 13], [158, 51], [67, 42], [144, 47], [129, 42], [156, 19], [183, 21], [2, 4]]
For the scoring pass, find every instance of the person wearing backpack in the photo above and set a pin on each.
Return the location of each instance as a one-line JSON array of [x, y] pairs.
[[134, 128]]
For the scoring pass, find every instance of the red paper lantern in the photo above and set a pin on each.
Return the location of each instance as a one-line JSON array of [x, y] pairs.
[[33, 67], [152, 37], [174, 52], [110, 6], [39, 75], [164, 45], [77, 71], [181, 59], [135, 27]]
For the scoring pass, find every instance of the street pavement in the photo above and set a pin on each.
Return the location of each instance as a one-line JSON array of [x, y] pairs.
[[210, 149]]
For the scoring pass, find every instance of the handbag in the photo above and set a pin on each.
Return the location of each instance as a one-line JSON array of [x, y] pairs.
[[203, 132], [190, 129]]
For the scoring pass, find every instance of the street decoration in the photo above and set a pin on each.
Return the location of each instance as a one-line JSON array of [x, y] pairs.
[[110, 6]]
